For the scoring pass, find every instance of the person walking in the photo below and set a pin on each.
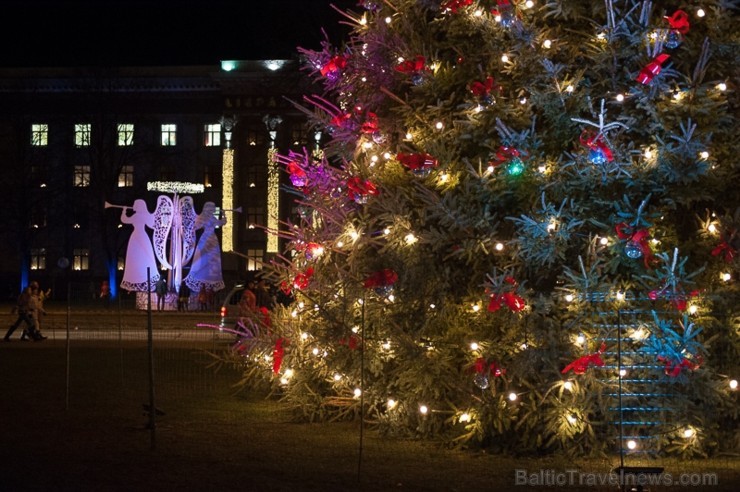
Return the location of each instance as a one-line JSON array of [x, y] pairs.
[[183, 297], [35, 310], [161, 289], [21, 308]]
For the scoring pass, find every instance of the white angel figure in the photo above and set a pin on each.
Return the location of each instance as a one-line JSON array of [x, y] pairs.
[[139, 253], [206, 267]]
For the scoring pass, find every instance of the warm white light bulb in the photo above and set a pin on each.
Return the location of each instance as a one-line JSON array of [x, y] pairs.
[[499, 246], [505, 58], [423, 409], [688, 432], [439, 125], [465, 417], [391, 403], [569, 298], [572, 419], [604, 241], [547, 44], [337, 377], [476, 308], [620, 97], [513, 396], [704, 155], [357, 392], [622, 372], [570, 88], [725, 276], [568, 385], [722, 86], [733, 384], [700, 13], [581, 339], [693, 309], [631, 444], [474, 346]]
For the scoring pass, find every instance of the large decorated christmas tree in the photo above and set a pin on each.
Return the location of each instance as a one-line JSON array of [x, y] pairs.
[[522, 231]]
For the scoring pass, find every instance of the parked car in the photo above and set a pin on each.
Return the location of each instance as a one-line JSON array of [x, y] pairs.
[[229, 313]]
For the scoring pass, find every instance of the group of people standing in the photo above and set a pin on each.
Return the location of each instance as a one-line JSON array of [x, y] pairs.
[[29, 308]]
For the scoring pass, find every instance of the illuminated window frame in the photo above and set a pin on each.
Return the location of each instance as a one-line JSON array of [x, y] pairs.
[[83, 134], [125, 134], [212, 135], [80, 259], [39, 134], [169, 135], [255, 259], [38, 259], [81, 177], [126, 176]]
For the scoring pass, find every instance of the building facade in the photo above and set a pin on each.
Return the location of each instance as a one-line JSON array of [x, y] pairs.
[[79, 144]]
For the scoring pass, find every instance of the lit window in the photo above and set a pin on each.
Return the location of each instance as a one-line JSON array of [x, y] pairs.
[[256, 135], [125, 134], [169, 135], [254, 259], [82, 176], [81, 259], [209, 177], [121, 263], [126, 176], [212, 135], [82, 134], [255, 217], [39, 135], [38, 216], [38, 259], [299, 135]]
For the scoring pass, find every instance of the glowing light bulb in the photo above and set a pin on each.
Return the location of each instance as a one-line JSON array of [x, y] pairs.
[[569, 298], [700, 13], [693, 309], [386, 345], [620, 97], [304, 336], [474, 346], [568, 385], [408, 136], [581, 339], [315, 351], [513, 396], [439, 125], [622, 372], [542, 168], [733, 384], [604, 241], [648, 154], [570, 88], [391, 404], [423, 409], [337, 377], [432, 306], [704, 155], [712, 228], [547, 44], [476, 308], [722, 86], [689, 433], [357, 392], [499, 246], [505, 58], [620, 296], [572, 419], [529, 4], [523, 100], [388, 20], [725, 276], [444, 177], [387, 231], [410, 238], [632, 444], [465, 417]]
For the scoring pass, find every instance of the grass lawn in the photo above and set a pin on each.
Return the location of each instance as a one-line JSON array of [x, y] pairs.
[[94, 436]]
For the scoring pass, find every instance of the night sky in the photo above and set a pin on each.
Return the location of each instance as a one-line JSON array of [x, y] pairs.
[[162, 32]]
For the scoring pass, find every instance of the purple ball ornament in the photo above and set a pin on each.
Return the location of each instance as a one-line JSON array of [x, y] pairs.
[[370, 5], [298, 181]]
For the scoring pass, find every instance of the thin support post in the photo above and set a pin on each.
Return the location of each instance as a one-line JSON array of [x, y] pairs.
[[362, 392], [66, 395], [619, 374], [150, 343]]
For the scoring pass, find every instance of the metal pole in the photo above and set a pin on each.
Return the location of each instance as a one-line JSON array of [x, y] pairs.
[[150, 338], [66, 396], [362, 391], [619, 373]]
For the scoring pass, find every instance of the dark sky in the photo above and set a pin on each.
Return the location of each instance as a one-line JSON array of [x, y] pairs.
[[162, 32]]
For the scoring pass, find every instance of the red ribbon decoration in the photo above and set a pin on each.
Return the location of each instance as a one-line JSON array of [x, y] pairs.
[[510, 299], [381, 278], [679, 300], [505, 154], [580, 365], [725, 248], [296, 171], [652, 69], [357, 186], [640, 237], [482, 366], [334, 65], [596, 142], [679, 21], [417, 162], [352, 342], [340, 120], [673, 368], [302, 279], [277, 355], [482, 89], [371, 125], [411, 67], [454, 5]]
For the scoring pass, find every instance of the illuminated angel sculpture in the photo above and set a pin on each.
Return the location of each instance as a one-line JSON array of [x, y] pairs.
[[139, 253], [206, 267]]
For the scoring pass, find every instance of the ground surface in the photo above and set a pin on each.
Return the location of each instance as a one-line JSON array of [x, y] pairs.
[[72, 420]]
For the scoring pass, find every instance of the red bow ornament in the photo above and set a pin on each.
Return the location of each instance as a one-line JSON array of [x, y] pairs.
[[277, 355], [410, 67], [726, 250], [454, 5], [507, 154], [511, 300], [482, 366], [652, 69], [298, 176], [333, 68], [596, 143], [673, 368], [359, 189], [382, 278], [420, 164], [679, 21], [580, 365], [482, 90]]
